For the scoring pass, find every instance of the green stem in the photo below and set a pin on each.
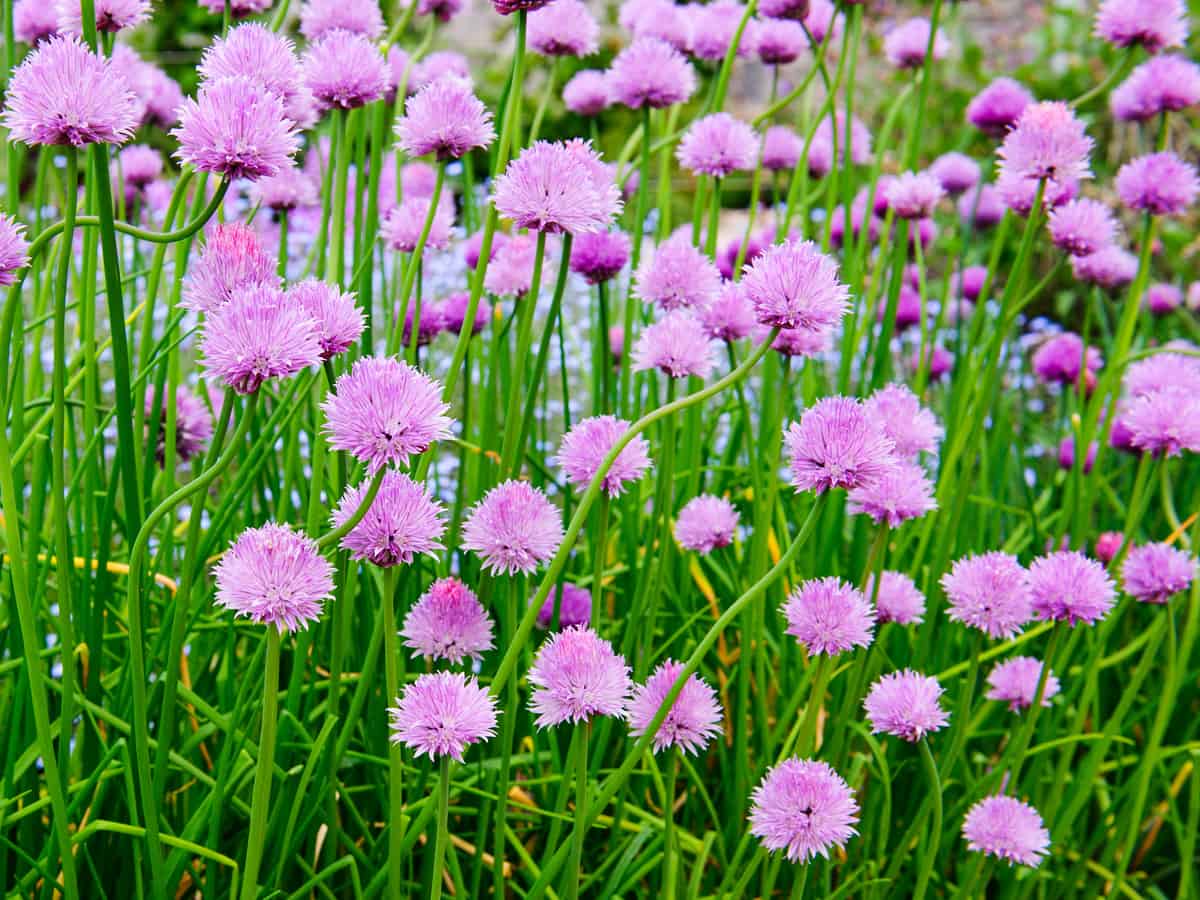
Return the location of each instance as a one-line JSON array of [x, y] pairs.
[[929, 852], [443, 824], [413, 265], [638, 235], [263, 771], [574, 871], [527, 306], [670, 852], [391, 660]]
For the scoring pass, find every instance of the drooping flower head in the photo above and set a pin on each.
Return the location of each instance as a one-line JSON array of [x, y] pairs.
[[1066, 586], [1162, 84], [989, 592], [232, 257], [650, 72], [586, 445], [907, 43], [913, 428], [557, 187], [1154, 24], [514, 528], [906, 704], [383, 411], [577, 676], [258, 335], [676, 345], [1153, 573], [795, 285], [836, 444], [1158, 183], [897, 599], [445, 118], [718, 145], [1048, 142], [345, 70], [828, 616], [904, 492], [677, 275], [274, 576], [1007, 828], [14, 249], [587, 92], [1082, 226], [64, 94], [996, 108], [235, 128], [564, 28], [402, 522], [694, 718], [193, 423], [1015, 682], [448, 622], [730, 317], [574, 607], [705, 523], [600, 255], [804, 808], [339, 320], [361, 17], [443, 713]]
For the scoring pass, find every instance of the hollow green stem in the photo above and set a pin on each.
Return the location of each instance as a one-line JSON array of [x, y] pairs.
[[264, 768]]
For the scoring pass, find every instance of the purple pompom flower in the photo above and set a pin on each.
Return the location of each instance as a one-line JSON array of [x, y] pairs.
[[448, 622], [781, 42], [906, 704], [453, 311], [361, 17], [445, 118], [34, 21], [111, 15], [1066, 586], [600, 255], [14, 249], [650, 72], [1161, 184], [804, 808], [989, 592], [443, 713], [557, 187], [828, 616], [1015, 682], [1060, 359], [694, 718], [1165, 422], [678, 276], [906, 44], [438, 65], [663, 20], [858, 137], [1154, 24], [903, 493], [258, 335], [676, 345], [256, 52], [403, 522], [511, 270], [984, 209], [403, 226], [1161, 84], [232, 257], [576, 676], [716, 27], [290, 189], [508, 7], [913, 195], [1109, 267], [1153, 573], [1162, 371], [836, 444], [795, 285], [574, 607], [383, 411], [782, 149], [345, 71], [955, 172], [784, 9], [1006, 828], [897, 599], [1162, 299], [339, 320], [235, 128], [1048, 142], [514, 528], [274, 576], [587, 92], [193, 423], [718, 145], [239, 8], [584, 447], [996, 108], [564, 28], [912, 428], [1082, 226], [705, 523], [64, 94], [730, 317]]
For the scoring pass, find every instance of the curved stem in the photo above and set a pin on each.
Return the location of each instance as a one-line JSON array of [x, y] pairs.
[[332, 537]]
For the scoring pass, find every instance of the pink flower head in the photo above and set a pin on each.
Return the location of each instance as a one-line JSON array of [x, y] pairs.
[[239, 8], [1153, 573], [402, 227], [454, 313], [443, 713], [34, 21], [989, 592], [705, 523], [254, 51], [1165, 422], [473, 247], [913, 195], [584, 447], [996, 108], [14, 249], [430, 323], [718, 145], [514, 528], [576, 676], [564, 28], [574, 607], [828, 616], [907, 43], [445, 118], [676, 345], [339, 320], [650, 72], [290, 189], [1048, 142], [111, 15], [823, 21], [1109, 267], [437, 66], [906, 704], [904, 492], [601, 255], [984, 209], [955, 172], [235, 128], [715, 26], [448, 622], [383, 411], [781, 42], [1019, 193], [730, 317], [912, 428], [557, 187], [795, 285], [258, 335], [402, 522], [1162, 299], [1162, 371], [804, 808], [1154, 24], [442, 10], [193, 423], [836, 444], [1161, 184], [1061, 358], [64, 94], [345, 70], [508, 7], [694, 718], [897, 599], [1006, 828], [678, 276], [418, 179], [320, 17], [796, 341], [661, 19], [1162, 84], [1082, 226], [587, 92], [1108, 544], [274, 576], [856, 136], [1015, 682], [1066, 586], [232, 257], [511, 270], [782, 149]]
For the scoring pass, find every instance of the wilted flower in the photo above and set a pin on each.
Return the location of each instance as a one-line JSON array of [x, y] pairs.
[[803, 807], [828, 616], [589, 441], [989, 592], [1067, 586], [514, 528], [274, 576], [443, 713], [1006, 828], [694, 717], [577, 676], [705, 523], [448, 622], [906, 704], [837, 445], [1015, 682], [1153, 573]]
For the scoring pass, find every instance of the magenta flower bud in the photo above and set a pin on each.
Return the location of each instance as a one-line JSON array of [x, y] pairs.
[[14, 249]]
